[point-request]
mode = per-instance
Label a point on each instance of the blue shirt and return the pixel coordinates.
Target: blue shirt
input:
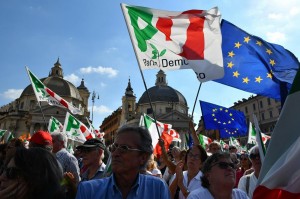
(145, 187)
(97, 175)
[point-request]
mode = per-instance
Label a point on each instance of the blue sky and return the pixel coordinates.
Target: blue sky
(92, 42)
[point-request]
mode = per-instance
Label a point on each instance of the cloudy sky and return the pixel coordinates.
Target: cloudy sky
(92, 42)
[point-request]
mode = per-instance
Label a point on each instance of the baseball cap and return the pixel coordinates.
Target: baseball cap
(42, 138)
(91, 143)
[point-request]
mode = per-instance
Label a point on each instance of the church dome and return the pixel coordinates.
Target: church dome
(161, 92)
(58, 85)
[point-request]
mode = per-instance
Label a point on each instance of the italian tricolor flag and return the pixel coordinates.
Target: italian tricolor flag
(170, 40)
(280, 174)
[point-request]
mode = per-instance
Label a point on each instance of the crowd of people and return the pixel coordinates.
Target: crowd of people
(45, 169)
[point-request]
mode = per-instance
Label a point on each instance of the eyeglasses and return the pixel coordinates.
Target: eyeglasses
(122, 148)
(11, 172)
(254, 155)
(194, 156)
(224, 165)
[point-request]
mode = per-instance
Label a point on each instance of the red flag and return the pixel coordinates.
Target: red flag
(167, 140)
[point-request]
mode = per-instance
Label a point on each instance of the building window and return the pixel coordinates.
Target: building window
(254, 107)
(263, 116)
(246, 109)
(261, 104)
(149, 111)
(22, 105)
(271, 114)
(269, 101)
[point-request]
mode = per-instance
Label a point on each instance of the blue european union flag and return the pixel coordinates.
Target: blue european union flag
(229, 122)
(254, 65)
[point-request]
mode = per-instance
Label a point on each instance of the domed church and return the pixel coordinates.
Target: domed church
(169, 105)
(24, 115)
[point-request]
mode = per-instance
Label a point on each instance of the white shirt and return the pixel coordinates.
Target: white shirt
(252, 184)
(194, 184)
(203, 193)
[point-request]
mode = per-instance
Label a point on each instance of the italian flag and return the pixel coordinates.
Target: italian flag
(165, 132)
(75, 129)
(280, 174)
(204, 140)
(44, 94)
(252, 135)
(55, 125)
(171, 40)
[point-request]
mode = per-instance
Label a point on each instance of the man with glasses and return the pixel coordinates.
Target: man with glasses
(92, 152)
(248, 182)
(130, 153)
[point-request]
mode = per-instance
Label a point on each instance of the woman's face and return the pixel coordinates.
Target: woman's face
(222, 173)
(194, 159)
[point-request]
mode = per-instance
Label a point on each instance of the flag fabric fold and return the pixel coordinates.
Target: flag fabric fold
(279, 176)
(75, 129)
(55, 126)
(171, 40)
(254, 65)
(230, 122)
(44, 94)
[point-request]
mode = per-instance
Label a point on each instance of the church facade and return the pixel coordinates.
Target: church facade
(26, 115)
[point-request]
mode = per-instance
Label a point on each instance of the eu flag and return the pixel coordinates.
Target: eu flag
(254, 65)
(229, 122)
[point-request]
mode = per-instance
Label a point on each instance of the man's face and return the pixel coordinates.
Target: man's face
(91, 156)
(57, 145)
(127, 161)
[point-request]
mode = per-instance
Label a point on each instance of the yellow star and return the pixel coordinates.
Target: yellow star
(213, 115)
(230, 114)
(221, 109)
(269, 75)
(236, 74)
(269, 51)
(224, 122)
(247, 39)
(231, 54)
(237, 45)
(230, 64)
(226, 110)
(258, 43)
(258, 79)
(215, 119)
(229, 122)
(272, 62)
(214, 110)
(246, 80)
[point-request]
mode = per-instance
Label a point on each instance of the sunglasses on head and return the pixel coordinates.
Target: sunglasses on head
(225, 165)
(254, 155)
(11, 172)
(122, 148)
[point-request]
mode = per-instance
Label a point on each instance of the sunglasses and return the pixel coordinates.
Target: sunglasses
(254, 155)
(11, 172)
(122, 148)
(88, 150)
(224, 165)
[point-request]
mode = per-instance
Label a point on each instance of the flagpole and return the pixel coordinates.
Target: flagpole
(196, 99)
(134, 48)
(42, 113)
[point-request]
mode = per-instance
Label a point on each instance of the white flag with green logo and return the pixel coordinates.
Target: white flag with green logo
(75, 129)
(234, 142)
(171, 40)
(2, 132)
(38, 87)
(252, 135)
(54, 125)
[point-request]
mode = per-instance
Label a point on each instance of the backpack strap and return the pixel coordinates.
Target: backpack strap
(247, 184)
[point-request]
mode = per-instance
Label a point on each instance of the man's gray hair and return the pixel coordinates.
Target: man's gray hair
(61, 137)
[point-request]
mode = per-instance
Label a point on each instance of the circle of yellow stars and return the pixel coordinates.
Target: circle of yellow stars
(215, 119)
(246, 79)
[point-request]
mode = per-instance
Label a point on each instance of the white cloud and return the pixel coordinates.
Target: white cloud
(275, 16)
(111, 50)
(101, 70)
(101, 109)
(276, 37)
(103, 84)
(73, 78)
(12, 94)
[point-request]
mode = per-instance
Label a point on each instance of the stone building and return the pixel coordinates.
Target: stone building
(24, 115)
(169, 106)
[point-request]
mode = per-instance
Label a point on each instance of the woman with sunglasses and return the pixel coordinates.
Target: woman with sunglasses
(248, 182)
(218, 179)
(245, 164)
(31, 174)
